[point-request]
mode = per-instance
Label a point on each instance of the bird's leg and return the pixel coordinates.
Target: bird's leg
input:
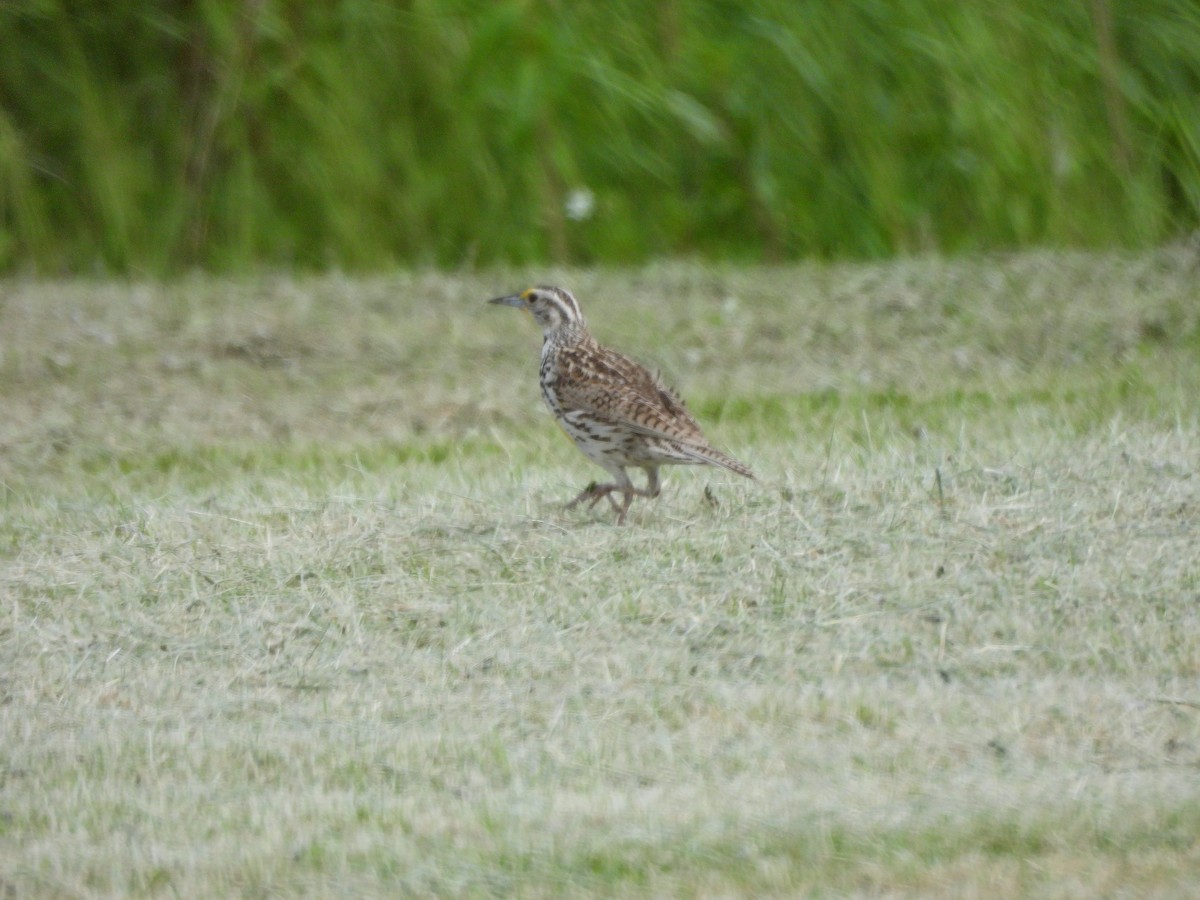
(652, 488)
(624, 507)
(596, 492)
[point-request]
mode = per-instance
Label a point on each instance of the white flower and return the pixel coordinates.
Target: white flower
(580, 205)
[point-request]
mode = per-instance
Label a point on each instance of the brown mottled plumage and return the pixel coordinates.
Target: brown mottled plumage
(617, 411)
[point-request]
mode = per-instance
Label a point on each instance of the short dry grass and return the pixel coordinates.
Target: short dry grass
(289, 605)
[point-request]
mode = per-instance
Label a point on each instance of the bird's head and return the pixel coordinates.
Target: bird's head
(554, 308)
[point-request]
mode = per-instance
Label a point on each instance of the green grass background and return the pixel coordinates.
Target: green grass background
(155, 138)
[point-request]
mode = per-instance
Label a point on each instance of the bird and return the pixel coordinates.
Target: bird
(618, 412)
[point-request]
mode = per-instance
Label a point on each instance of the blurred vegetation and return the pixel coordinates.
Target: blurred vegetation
(155, 137)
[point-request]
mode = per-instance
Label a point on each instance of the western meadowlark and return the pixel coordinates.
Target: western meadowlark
(617, 411)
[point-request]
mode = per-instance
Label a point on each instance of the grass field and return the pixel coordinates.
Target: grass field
(289, 604)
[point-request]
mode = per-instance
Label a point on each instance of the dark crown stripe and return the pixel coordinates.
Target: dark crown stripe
(565, 303)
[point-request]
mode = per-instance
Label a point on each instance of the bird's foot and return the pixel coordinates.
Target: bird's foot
(596, 492)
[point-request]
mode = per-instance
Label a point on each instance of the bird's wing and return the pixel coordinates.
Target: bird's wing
(615, 387)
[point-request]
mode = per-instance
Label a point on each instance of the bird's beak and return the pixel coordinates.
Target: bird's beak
(512, 300)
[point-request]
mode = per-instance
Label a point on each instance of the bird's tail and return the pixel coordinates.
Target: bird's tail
(717, 458)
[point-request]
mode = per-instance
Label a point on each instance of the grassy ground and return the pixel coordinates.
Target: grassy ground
(288, 602)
